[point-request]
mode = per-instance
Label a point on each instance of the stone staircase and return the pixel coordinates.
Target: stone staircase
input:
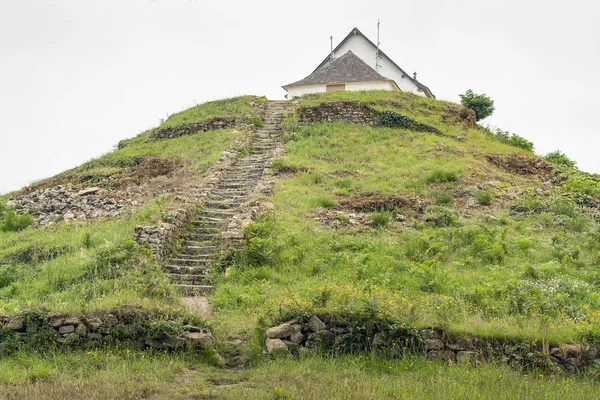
(190, 268)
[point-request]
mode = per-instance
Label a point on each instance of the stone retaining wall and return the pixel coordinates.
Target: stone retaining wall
(302, 335)
(359, 113)
(134, 328)
(347, 111)
(158, 237)
(195, 127)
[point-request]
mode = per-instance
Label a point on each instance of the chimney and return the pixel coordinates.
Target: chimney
(415, 76)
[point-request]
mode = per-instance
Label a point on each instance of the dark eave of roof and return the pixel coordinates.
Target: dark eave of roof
(348, 68)
(355, 31)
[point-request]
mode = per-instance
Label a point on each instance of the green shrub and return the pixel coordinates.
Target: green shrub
(558, 158)
(443, 199)
(380, 219)
(13, 222)
(528, 205)
(480, 103)
(578, 224)
(255, 120)
(439, 217)
(440, 175)
(483, 197)
(564, 207)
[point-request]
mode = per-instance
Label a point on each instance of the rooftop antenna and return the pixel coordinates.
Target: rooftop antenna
(331, 40)
(377, 56)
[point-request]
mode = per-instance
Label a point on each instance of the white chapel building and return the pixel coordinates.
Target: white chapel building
(357, 64)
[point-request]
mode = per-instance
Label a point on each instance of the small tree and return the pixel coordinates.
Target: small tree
(480, 103)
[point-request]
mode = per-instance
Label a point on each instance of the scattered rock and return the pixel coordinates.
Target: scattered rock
(464, 356)
(203, 339)
(315, 324)
(297, 337)
(93, 324)
(590, 354)
(275, 345)
(434, 344)
(91, 190)
(66, 329)
(447, 355)
(281, 331)
(573, 350)
(16, 324)
(73, 321)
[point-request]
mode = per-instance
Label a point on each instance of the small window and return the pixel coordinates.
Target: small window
(335, 88)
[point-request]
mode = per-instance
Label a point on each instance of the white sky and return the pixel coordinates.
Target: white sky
(77, 76)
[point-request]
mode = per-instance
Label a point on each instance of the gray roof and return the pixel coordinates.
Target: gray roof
(345, 69)
(355, 31)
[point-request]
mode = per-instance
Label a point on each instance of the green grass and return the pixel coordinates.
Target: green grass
(239, 107)
(468, 270)
(483, 197)
(74, 267)
(118, 374)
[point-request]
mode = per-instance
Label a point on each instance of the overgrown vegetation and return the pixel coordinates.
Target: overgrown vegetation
(520, 269)
(11, 221)
(509, 138)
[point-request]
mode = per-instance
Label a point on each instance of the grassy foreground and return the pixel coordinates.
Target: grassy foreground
(131, 375)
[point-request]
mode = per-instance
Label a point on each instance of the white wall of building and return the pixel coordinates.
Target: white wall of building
(365, 51)
(298, 91)
(353, 86)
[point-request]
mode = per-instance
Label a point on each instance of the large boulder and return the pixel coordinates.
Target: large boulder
(281, 331)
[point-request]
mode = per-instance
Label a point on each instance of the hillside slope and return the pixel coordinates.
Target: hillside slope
(458, 229)
(392, 214)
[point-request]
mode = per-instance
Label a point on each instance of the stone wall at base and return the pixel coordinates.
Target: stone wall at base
(305, 334)
(134, 328)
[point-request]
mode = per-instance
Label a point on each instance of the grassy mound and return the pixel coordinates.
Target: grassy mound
(475, 235)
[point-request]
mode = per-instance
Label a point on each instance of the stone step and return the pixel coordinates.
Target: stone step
(201, 243)
(186, 269)
(205, 231)
(187, 279)
(195, 250)
(202, 238)
(194, 290)
(190, 262)
(211, 223)
(231, 205)
(217, 213)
